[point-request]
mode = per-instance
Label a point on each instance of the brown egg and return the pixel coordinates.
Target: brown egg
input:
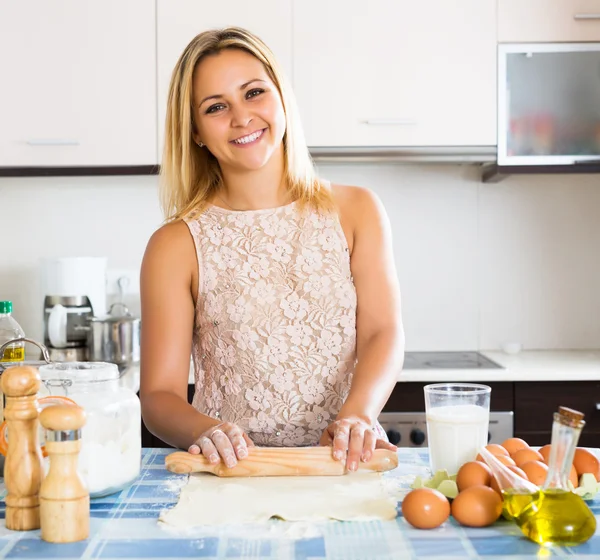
(473, 473)
(586, 462)
(516, 470)
(425, 508)
(496, 449)
(513, 444)
(477, 506)
(536, 471)
(526, 455)
(545, 453)
(506, 460)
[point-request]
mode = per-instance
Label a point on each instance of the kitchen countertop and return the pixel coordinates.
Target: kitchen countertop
(527, 365)
(125, 526)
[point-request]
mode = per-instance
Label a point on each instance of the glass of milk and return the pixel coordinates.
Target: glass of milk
(457, 415)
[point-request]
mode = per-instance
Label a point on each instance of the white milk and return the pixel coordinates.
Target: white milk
(455, 434)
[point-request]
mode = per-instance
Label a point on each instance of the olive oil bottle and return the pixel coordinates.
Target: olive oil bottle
(10, 330)
(515, 501)
(554, 514)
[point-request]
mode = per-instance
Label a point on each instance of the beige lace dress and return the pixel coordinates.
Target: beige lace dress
(274, 343)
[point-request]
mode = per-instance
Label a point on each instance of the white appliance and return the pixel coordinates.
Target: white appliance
(73, 289)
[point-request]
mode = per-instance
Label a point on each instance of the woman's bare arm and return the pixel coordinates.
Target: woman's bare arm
(379, 330)
(168, 278)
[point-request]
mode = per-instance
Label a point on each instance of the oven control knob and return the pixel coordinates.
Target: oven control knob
(417, 436)
(394, 436)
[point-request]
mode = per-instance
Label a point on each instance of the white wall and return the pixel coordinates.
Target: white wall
(479, 264)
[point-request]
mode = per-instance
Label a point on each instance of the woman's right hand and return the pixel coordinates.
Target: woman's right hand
(225, 441)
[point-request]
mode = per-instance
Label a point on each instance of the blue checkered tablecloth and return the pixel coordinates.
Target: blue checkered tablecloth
(125, 526)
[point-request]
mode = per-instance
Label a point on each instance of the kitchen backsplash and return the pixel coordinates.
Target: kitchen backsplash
(479, 264)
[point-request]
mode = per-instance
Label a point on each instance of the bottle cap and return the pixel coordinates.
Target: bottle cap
(5, 306)
(571, 417)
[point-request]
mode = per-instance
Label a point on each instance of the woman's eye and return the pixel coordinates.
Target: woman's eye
(254, 92)
(214, 108)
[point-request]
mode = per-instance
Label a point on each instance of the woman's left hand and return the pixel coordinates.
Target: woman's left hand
(354, 440)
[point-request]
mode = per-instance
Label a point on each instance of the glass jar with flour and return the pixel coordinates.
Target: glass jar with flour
(110, 456)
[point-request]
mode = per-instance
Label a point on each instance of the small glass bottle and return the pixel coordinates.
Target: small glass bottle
(9, 330)
(556, 515)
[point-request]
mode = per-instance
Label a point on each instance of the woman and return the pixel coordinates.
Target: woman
(282, 286)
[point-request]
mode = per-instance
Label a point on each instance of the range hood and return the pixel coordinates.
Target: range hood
(418, 154)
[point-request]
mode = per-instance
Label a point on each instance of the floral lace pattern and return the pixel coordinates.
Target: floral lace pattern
(275, 328)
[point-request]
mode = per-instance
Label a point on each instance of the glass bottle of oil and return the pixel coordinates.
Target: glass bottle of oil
(554, 514)
(517, 492)
(9, 330)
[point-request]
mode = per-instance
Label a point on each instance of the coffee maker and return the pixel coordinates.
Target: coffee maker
(74, 289)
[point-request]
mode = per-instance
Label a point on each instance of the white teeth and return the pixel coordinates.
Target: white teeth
(249, 138)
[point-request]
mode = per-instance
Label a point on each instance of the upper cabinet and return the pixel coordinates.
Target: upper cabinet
(524, 21)
(179, 21)
(78, 83)
(401, 73)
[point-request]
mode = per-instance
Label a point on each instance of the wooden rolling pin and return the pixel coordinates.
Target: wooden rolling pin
(280, 461)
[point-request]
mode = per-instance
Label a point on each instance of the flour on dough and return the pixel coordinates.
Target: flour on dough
(210, 500)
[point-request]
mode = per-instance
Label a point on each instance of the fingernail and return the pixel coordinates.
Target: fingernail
(214, 458)
(337, 455)
(242, 453)
(366, 457)
(352, 466)
(230, 462)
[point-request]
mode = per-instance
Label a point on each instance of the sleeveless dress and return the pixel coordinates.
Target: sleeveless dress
(274, 343)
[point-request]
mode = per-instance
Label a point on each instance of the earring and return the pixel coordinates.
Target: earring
(200, 145)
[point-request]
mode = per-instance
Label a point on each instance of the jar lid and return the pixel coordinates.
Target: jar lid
(79, 372)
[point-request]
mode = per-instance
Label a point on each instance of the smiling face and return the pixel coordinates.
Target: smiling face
(238, 111)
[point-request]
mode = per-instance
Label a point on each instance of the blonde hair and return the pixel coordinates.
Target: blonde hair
(190, 175)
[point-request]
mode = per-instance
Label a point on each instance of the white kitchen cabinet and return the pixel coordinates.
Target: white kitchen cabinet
(396, 73)
(526, 21)
(179, 21)
(78, 83)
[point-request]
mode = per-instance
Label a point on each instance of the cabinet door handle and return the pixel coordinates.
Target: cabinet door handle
(53, 142)
(580, 17)
(400, 122)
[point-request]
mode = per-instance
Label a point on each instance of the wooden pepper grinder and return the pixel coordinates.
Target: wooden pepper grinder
(64, 497)
(23, 465)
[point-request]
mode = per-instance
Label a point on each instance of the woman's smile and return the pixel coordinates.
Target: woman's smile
(249, 139)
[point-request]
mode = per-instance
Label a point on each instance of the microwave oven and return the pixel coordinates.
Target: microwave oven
(549, 104)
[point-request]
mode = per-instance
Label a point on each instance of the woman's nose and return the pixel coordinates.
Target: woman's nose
(240, 116)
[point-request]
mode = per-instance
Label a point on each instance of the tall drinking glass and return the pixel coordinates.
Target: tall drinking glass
(458, 416)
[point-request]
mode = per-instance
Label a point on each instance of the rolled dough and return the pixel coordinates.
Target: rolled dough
(210, 500)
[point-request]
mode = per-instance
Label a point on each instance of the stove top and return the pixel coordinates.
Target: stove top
(448, 360)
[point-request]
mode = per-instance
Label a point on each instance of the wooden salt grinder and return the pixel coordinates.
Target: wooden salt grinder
(23, 464)
(64, 497)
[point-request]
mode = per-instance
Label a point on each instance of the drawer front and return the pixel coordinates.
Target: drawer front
(527, 21)
(408, 397)
(535, 404)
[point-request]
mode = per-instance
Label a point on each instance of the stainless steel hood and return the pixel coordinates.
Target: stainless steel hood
(417, 154)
